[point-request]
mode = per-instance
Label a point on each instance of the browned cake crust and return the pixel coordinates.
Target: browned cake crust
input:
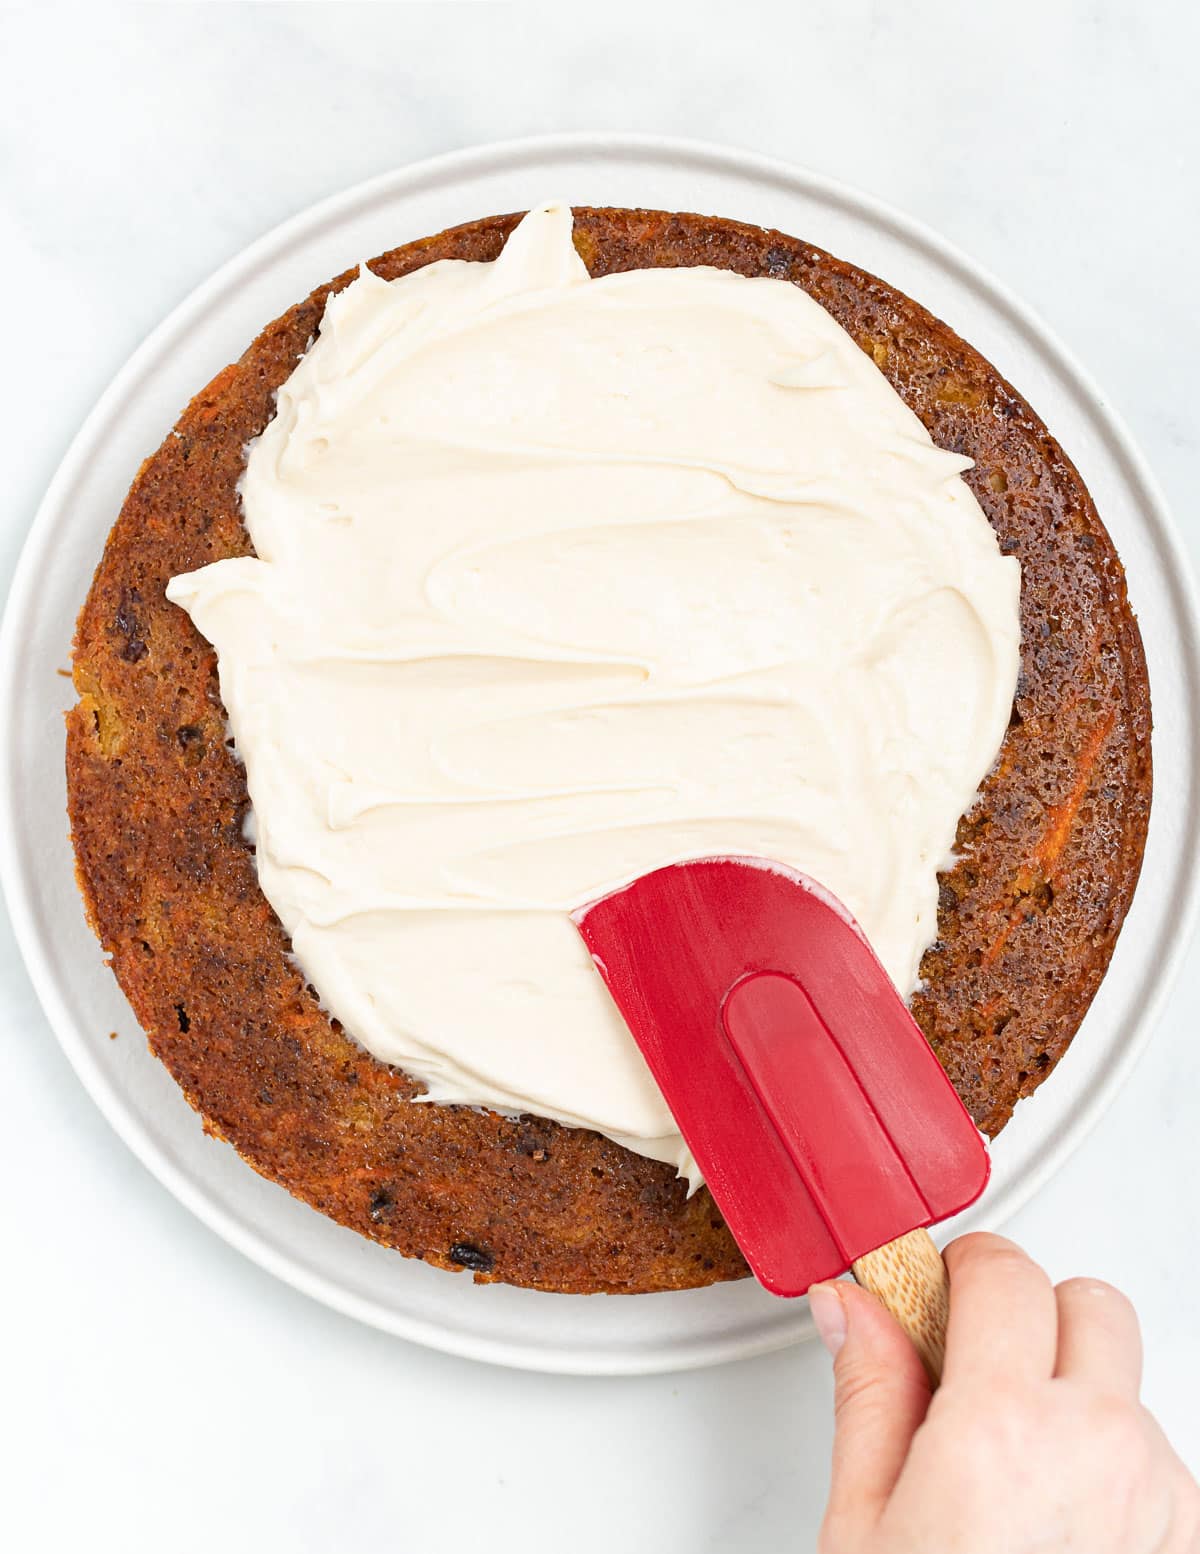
(1028, 918)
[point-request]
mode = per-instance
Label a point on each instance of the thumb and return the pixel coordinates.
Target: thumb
(881, 1395)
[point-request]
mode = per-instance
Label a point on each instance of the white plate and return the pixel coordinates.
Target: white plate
(595, 1334)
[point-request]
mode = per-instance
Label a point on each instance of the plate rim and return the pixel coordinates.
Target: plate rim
(444, 168)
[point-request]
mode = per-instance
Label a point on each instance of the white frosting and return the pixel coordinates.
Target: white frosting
(559, 580)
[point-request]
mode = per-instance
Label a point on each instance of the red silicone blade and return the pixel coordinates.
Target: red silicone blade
(821, 1119)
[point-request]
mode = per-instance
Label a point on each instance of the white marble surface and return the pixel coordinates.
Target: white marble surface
(159, 1391)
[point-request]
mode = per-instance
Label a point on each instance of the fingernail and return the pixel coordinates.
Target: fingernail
(829, 1315)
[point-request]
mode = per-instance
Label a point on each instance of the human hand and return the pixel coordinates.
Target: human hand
(1035, 1443)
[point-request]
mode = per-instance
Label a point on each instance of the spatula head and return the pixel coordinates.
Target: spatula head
(821, 1119)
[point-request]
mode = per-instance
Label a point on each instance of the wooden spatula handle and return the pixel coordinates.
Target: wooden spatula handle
(909, 1277)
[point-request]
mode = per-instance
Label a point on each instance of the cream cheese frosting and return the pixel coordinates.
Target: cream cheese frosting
(558, 580)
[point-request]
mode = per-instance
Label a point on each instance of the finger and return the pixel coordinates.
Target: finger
(1099, 1339)
(881, 1395)
(1003, 1316)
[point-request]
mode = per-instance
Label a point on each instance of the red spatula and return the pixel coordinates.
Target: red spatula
(826, 1129)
